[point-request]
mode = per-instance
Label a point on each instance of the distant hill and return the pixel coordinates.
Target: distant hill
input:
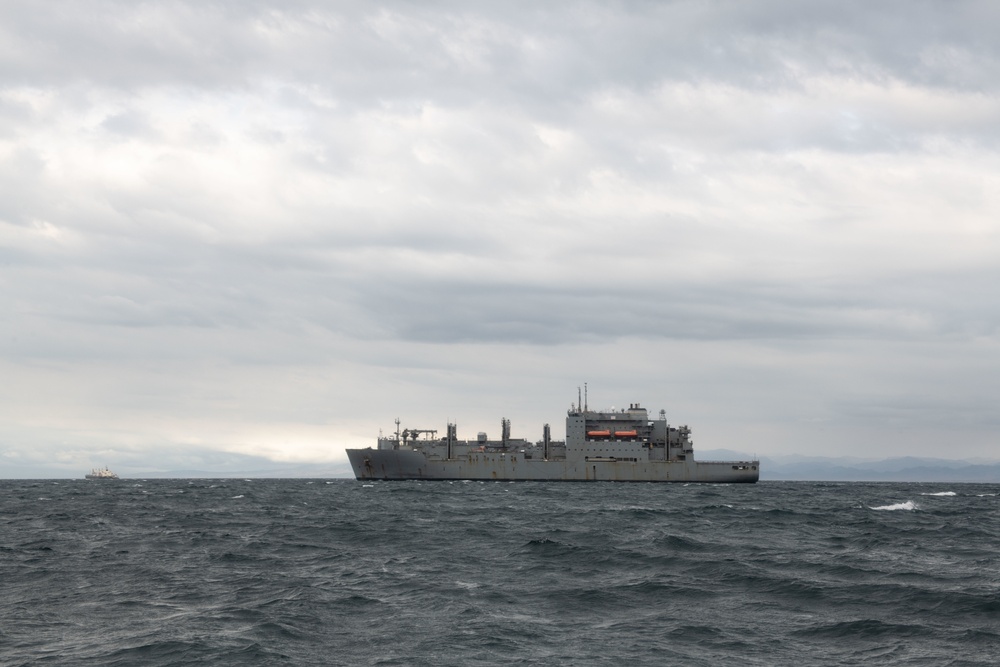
(847, 469)
(260, 469)
(282, 472)
(785, 468)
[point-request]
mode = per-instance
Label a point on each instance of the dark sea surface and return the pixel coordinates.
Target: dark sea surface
(338, 572)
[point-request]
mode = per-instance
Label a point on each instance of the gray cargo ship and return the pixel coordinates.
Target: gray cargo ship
(605, 445)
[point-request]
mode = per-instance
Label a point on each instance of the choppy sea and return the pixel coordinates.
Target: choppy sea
(340, 572)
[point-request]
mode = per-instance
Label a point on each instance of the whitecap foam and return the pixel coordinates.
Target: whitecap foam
(940, 493)
(908, 505)
(239, 496)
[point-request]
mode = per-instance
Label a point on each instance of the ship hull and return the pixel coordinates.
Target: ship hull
(403, 464)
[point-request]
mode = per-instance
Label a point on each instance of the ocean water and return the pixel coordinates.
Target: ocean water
(340, 572)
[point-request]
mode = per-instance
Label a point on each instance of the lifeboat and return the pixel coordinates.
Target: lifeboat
(598, 434)
(625, 434)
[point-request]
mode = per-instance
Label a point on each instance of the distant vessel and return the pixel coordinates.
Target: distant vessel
(601, 445)
(101, 473)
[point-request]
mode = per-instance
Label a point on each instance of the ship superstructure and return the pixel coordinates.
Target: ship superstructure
(600, 445)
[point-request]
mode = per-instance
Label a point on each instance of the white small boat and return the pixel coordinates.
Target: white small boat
(101, 473)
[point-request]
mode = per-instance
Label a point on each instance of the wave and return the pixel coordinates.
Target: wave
(862, 628)
(674, 542)
(908, 505)
(940, 493)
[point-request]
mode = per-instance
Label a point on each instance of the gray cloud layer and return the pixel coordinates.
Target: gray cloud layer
(789, 210)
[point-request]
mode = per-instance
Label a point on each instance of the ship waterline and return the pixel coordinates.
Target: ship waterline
(601, 445)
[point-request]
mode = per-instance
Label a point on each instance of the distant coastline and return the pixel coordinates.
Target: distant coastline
(846, 469)
(773, 468)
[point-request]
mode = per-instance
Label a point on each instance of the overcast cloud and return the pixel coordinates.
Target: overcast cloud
(270, 229)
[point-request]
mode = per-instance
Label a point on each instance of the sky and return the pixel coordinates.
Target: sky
(238, 232)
